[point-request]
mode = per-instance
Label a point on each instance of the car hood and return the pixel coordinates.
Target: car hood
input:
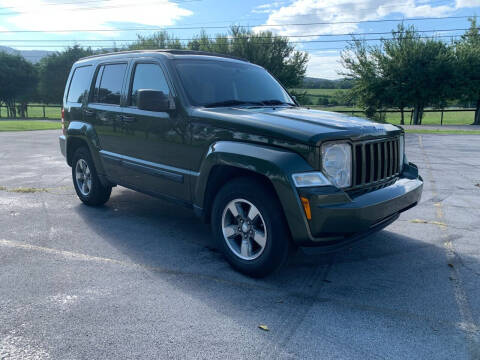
(299, 124)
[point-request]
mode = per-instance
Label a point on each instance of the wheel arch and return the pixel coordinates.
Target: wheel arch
(227, 160)
(83, 134)
(221, 174)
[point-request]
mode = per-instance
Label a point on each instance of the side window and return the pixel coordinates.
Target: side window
(79, 84)
(108, 85)
(148, 76)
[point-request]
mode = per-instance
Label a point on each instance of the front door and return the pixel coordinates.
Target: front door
(157, 140)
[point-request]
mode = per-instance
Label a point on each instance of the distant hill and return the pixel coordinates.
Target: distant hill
(319, 83)
(33, 56)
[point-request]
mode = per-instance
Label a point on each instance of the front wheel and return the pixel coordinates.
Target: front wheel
(248, 223)
(85, 179)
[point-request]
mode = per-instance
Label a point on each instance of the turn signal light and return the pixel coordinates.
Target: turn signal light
(306, 207)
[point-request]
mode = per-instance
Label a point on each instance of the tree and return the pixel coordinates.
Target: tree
(18, 78)
(467, 52)
(53, 73)
(362, 67)
(395, 67)
(275, 53)
(430, 75)
(405, 70)
(159, 40)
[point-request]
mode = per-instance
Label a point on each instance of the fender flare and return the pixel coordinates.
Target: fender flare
(276, 164)
(84, 131)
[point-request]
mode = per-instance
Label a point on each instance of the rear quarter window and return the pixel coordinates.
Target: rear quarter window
(79, 85)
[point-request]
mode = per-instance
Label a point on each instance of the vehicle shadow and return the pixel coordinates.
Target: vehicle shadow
(387, 273)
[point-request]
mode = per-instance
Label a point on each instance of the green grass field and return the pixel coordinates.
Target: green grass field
(323, 92)
(451, 132)
(28, 125)
(36, 112)
(50, 112)
(429, 118)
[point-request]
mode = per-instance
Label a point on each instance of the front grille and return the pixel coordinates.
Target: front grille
(375, 162)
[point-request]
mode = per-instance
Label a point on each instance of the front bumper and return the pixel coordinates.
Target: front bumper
(338, 217)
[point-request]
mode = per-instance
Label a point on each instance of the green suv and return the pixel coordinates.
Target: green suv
(221, 136)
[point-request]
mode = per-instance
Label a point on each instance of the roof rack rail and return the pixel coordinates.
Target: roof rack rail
(169, 51)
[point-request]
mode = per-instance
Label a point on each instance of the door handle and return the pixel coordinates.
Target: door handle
(129, 119)
(88, 112)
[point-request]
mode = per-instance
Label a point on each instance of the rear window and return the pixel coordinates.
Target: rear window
(79, 85)
(108, 85)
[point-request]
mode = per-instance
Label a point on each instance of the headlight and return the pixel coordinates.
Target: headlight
(310, 179)
(337, 163)
(401, 151)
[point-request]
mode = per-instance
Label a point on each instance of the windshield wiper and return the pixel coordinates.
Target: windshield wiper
(276, 102)
(232, 103)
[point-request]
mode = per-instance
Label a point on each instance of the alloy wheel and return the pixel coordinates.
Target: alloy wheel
(83, 177)
(244, 229)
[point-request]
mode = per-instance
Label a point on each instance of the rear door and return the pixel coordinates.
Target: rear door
(105, 110)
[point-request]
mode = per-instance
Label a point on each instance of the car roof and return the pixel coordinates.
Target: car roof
(169, 53)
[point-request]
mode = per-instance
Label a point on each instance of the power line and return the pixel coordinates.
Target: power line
(292, 42)
(228, 27)
(249, 37)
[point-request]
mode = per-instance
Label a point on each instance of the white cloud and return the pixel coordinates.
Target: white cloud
(467, 3)
(38, 15)
(324, 64)
(267, 8)
(347, 12)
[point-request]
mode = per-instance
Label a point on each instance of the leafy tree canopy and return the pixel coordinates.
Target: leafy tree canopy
(274, 53)
(54, 70)
(18, 79)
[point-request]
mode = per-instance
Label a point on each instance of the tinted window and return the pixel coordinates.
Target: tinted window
(79, 85)
(209, 82)
(148, 76)
(109, 88)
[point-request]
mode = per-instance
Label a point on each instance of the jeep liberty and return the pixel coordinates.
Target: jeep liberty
(222, 136)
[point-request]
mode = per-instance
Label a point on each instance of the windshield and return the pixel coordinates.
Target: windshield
(224, 83)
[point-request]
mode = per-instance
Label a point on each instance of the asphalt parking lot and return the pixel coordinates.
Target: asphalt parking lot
(140, 278)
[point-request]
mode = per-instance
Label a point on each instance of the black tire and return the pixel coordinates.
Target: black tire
(278, 242)
(97, 194)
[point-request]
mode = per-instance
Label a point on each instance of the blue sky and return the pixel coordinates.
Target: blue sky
(60, 21)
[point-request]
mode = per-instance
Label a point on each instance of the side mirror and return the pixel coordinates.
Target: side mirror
(153, 100)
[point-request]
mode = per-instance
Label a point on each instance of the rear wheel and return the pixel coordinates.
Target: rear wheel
(248, 223)
(85, 179)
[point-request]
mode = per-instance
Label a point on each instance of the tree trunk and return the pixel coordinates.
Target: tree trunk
(417, 114)
(402, 118)
(476, 121)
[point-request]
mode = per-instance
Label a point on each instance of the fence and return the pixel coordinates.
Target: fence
(34, 111)
(455, 116)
